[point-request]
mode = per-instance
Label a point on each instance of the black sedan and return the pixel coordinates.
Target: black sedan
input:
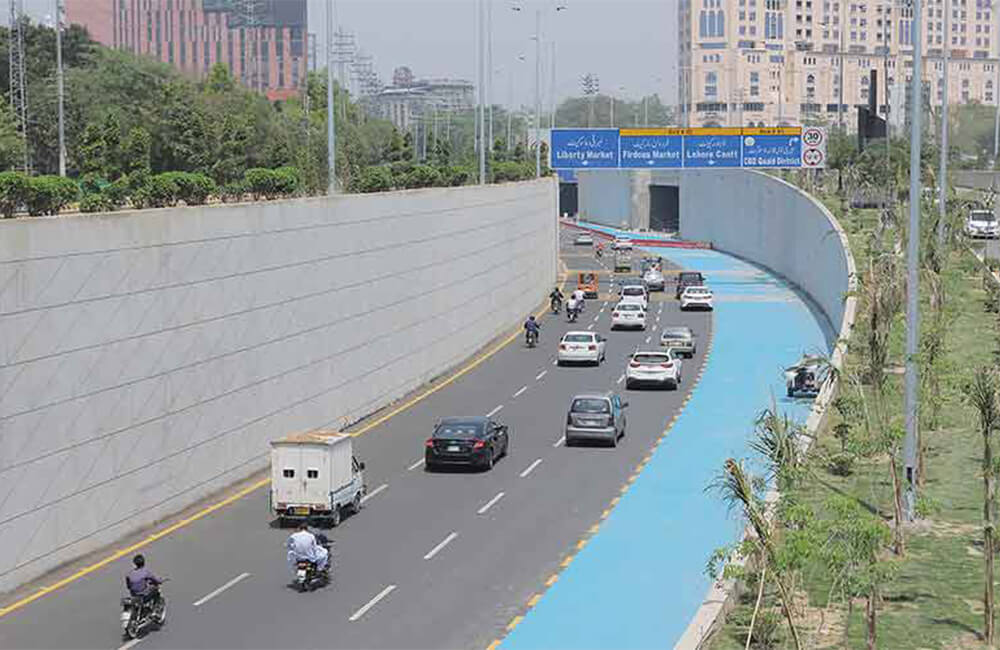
(473, 441)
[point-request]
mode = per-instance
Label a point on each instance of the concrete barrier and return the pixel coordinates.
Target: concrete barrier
(147, 358)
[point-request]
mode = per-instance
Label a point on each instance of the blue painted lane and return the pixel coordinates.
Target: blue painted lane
(640, 579)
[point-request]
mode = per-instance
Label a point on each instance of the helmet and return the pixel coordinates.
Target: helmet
(532, 317)
(139, 561)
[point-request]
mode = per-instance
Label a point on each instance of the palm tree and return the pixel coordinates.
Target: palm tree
(983, 393)
(777, 441)
(741, 491)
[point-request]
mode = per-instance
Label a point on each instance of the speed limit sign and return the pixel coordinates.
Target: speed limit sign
(813, 147)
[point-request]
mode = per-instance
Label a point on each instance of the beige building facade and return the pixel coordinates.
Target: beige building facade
(778, 62)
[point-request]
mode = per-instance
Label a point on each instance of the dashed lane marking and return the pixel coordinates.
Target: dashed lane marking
(371, 603)
(530, 468)
(489, 504)
(521, 391)
(371, 494)
(540, 375)
(494, 411)
(415, 465)
(559, 442)
(447, 540)
(213, 594)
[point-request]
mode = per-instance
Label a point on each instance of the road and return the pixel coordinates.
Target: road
(435, 559)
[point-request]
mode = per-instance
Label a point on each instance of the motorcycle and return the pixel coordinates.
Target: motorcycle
(571, 314)
(140, 613)
(308, 576)
(531, 338)
(556, 304)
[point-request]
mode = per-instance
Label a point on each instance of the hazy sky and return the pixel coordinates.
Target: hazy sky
(627, 43)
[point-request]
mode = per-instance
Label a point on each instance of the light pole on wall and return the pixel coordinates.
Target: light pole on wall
(331, 129)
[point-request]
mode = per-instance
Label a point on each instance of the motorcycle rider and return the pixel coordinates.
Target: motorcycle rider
(141, 582)
(303, 545)
(556, 298)
(531, 325)
(572, 307)
(579, 296)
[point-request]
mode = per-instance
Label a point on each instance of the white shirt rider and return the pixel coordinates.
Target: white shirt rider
(572, 304)
(578, 296)
(302, 545)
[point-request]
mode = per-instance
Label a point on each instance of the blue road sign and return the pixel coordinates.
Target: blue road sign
(584, 148)
(642, 149)
(713, 150)
(772, 151)
(566, 175)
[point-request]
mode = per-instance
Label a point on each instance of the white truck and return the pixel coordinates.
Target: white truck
(314, 477)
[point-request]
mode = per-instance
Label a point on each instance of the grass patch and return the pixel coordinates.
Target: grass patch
(935, 600)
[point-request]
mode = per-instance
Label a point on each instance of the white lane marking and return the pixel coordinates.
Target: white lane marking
(555, 361)
(371, 603)
(621, 379)
(540, 375)
(559, 442)
(415, 465)
(374, 492)
(131, 644)
(521, 391)
(489, 504)
(494, 411)
(590, 327)
(647, 339)
(447, 540)
(595, 318)
(213, 594)
(531, 467)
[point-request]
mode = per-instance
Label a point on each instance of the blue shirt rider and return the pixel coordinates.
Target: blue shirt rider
(531, 325)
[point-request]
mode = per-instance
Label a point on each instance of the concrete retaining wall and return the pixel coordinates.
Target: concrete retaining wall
(147, 358)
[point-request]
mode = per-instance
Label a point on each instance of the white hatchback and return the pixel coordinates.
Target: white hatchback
(581, 347)
(628, 314)
(660, 368)
(696, 298)
(635, 293)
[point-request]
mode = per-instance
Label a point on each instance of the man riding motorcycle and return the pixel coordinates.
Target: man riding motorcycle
(556, 299)
(573, 308)
(303, 545)
(532, 328)
(579, 296)
(141, 582)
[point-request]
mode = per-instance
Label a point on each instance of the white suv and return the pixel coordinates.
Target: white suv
(661, 368)
(696, 298)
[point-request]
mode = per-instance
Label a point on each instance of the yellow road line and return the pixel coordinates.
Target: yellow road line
(552, 580)
(514, 622)
(534, 600)
(566, 561)
(494, 645)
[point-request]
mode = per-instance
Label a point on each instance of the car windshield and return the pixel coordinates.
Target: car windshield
(590, 405)
(629, 306)
(458, 430)
(578, 338)
(632, 291)
(680, 332)
(649, 359)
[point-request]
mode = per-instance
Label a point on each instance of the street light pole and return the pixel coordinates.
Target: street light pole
(482, 91)
(331, 128)
(60, 89)
(489, 67)
(943, 173)
(538, 98)
(910, 401)
(552, 88)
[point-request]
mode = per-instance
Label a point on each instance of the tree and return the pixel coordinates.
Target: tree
(135, 151)
(983, 393)
(11, 142)
(219, 80)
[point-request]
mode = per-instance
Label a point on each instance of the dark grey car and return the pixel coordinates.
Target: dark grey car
(596, 417)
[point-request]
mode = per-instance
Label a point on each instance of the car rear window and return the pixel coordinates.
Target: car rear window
(677, 332)
(633, 291)
(579, 338)
(458, 430)
(629, 306)
(698, 290)
(690, 277)
(590, 405)
(651, 358)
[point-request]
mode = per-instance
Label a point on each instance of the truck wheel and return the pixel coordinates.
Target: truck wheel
(335, 516)
(356, 504)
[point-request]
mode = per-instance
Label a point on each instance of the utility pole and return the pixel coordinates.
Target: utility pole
(18, 92)
(331, 128)
(943, 173)
(489, 77)
(552, 88)
(482, 94)
(538, 98)
(60, 89)
(645, 111)
(910, 401)
(612, 104)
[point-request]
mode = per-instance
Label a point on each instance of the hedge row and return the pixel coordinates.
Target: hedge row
(39, 195)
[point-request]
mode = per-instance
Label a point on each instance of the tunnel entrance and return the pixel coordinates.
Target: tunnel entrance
(568, 199)
(664, 208)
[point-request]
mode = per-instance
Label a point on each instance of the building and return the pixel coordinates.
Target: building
(409, 99)
(262, 42)
(778, 62)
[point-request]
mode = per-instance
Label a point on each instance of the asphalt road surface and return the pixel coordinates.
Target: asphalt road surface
(435, 560)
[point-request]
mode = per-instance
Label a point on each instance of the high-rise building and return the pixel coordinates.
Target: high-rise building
(781, 62)
(262, 42)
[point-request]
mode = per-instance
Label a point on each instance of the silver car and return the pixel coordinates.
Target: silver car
(654, 280)
(680, 339)
(596, 417)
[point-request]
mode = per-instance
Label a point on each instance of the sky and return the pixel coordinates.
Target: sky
(631, 45)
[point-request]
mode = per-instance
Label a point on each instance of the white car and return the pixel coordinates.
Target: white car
(628, 314)
(696, 298)
(584, 239)
(982, 223)
(654, 280)
(581, 347)
(660, 368)
(621, 243)
(635, 293)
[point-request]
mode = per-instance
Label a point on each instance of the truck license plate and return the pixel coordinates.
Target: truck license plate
(300, 511)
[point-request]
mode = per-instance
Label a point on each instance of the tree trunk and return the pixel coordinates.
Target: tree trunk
(847, 621)
(786, 607)
(898, 541)
(870, 605)
(756, 607)
(988, 551)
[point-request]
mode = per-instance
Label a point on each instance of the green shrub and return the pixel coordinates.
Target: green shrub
(423, 176)
(117, 193)
(401, 168)
(193, 189)
(47, 195)
(232, 192)
(457, 176)
(13, 192)
(512, 171)
(374, 179)
(287, 180)
(94, 202)
(261, 182)
(92, 183)
(159, 191)
(841, 464)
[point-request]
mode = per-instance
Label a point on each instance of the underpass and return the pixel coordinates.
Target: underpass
(434, 560)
